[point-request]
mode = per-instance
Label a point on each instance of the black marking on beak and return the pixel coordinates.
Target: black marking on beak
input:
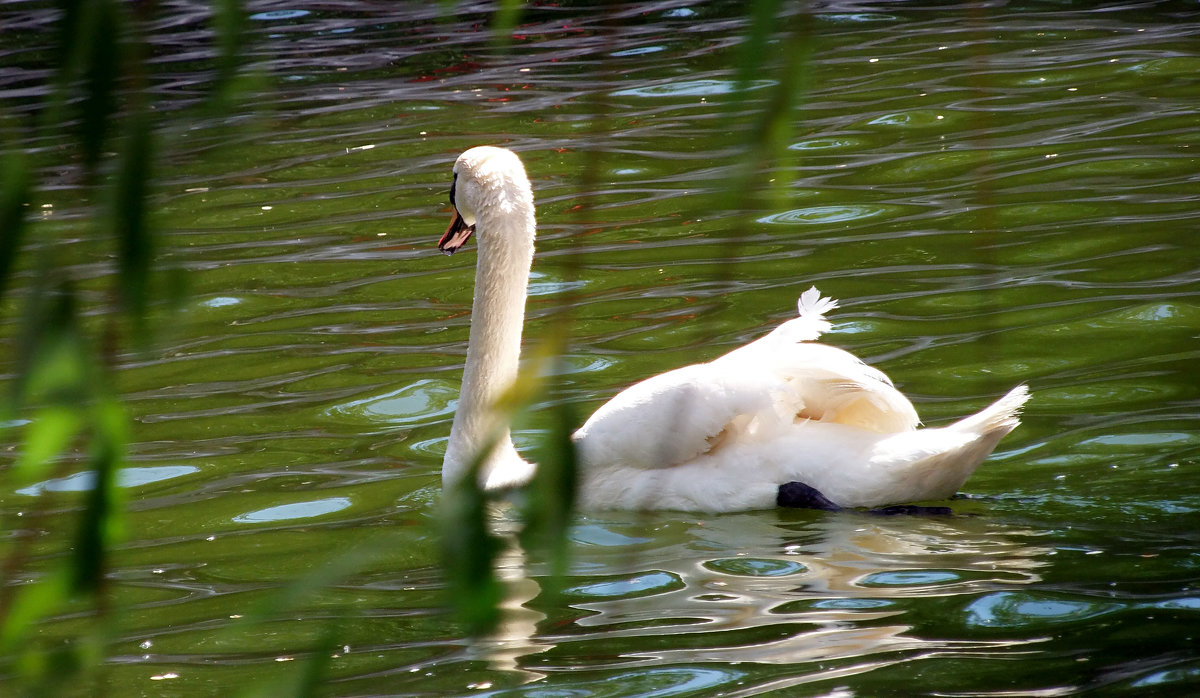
(456, 235)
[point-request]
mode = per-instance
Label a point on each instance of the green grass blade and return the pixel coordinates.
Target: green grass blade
(15, 189)
(549, 506)
(506, 18)
(100, 37)
(101, 519)
(131, 220)
(469, 551)
(50, 432)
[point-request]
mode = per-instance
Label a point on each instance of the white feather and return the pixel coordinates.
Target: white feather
(812, 304)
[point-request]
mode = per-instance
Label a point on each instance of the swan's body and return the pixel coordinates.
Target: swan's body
(719, 436)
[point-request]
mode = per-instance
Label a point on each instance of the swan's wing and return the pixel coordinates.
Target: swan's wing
(674, 417)
(758, 391)
(829, 384)
(833, 385)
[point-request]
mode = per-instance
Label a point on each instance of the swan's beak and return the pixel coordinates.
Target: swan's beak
(456, 235)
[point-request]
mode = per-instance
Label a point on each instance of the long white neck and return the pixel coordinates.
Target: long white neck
(505, 238)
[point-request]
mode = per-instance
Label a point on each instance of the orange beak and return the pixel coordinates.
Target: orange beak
(456, 235)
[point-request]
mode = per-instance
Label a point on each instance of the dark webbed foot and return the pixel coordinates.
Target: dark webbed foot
(797, 495)
(911, 510)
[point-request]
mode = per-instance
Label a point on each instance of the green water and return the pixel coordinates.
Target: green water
(995, 195)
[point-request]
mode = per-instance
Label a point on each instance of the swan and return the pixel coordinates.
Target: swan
(780, 421)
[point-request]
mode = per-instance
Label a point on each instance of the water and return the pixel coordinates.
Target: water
(997, 195)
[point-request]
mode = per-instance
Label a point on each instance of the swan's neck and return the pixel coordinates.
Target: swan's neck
(494, 348)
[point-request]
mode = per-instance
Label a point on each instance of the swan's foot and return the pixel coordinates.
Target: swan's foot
(911, 510)
(797, 495)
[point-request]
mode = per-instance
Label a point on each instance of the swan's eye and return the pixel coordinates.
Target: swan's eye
(452, 185)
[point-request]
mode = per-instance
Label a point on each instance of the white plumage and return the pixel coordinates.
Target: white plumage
(717, 436)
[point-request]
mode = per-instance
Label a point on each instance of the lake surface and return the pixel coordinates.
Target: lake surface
(996, 194)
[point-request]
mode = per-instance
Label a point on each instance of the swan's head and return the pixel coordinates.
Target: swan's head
(490, 191)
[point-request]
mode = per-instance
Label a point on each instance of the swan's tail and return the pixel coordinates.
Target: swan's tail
(933, 463)
(999, 418)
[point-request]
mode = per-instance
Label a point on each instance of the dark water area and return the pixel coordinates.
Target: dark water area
(998, 193)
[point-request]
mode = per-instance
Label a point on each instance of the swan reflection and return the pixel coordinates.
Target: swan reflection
(762, 588)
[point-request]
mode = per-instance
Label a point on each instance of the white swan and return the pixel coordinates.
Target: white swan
(759, 427)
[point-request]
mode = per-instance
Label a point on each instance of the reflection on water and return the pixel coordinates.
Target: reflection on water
(278, 14)
(826, 215)
(690, 88)
(835, 594)
(997, 195)
(1018, 610)
(413, 404)
(126, 477)
(297, 510)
